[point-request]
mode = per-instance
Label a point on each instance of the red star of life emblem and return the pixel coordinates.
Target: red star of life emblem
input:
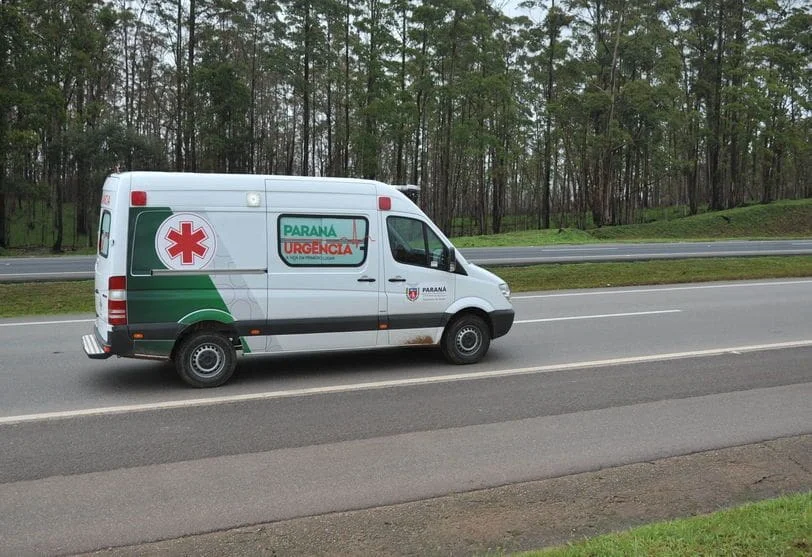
(187, 242)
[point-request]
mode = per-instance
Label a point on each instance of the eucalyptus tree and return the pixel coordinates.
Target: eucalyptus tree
(15, 136)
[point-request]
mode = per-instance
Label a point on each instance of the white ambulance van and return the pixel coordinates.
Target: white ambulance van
(197, 267)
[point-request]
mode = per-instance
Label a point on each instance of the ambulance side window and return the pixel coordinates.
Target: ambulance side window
(413, 243)
(104, 234)
(323, 240)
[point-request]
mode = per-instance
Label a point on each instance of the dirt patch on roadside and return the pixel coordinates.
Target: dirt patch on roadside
(527, 515)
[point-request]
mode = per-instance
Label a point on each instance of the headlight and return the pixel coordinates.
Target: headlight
(505, 290)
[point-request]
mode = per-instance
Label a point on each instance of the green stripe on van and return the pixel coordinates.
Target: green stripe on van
(165, 298)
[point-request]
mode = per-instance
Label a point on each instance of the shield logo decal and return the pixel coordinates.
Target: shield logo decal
(412, 293)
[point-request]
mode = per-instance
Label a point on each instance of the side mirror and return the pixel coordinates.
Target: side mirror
(452, 260)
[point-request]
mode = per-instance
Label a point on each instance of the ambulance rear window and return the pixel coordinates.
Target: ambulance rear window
(104, 234)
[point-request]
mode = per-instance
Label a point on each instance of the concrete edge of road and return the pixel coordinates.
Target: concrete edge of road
(526, 515)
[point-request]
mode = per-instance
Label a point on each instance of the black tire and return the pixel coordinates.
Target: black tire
(466, 339)
(206, 359)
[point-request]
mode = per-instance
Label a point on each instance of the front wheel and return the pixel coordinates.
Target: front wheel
(206, 359)
(466, 340)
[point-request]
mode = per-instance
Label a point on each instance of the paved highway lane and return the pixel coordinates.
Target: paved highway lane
(586, 379)
(43, 368)
(68, 267)
(81, 267)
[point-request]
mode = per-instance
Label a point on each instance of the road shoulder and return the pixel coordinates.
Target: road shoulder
(526, 515)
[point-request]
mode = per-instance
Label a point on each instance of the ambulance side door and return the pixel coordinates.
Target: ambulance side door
(418, 286)
(324, 277)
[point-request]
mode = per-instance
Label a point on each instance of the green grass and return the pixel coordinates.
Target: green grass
(46, 298)
(593, 275)
(785, 219)
(782, 219)
(526, 238)
(780, 526)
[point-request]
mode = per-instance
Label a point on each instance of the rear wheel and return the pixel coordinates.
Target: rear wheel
(206, 359)
(466, 340)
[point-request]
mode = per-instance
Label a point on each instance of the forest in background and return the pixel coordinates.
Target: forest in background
(575, 113)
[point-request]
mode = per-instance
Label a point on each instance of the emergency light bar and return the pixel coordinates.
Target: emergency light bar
(409, 190)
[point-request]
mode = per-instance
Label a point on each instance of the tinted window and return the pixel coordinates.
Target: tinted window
(104, 234)
(412, 242)
(320, 240)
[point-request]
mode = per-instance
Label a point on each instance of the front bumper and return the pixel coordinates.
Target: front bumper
(502, 321)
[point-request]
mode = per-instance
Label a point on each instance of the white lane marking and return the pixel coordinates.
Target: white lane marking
(174, 404)
(665, 289)
(577, 317)
(29, 323)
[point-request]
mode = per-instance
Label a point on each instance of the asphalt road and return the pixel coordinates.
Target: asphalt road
(81, 266)
(117, 452)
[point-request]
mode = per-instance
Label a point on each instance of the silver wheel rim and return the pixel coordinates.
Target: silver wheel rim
(468, 340)
(207, 359)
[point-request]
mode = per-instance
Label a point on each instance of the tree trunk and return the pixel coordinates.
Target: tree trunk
(736, 190)
(191, 124)
(545, 192)
(179, 93)
(306, 95)
(346, 160)
(400, 173)
(715, 140)
(3, 236)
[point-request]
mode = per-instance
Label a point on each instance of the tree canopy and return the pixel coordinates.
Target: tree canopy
(573, 113)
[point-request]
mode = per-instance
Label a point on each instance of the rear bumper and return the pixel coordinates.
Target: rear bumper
(94, 349)
(97, 349)
(502, 321)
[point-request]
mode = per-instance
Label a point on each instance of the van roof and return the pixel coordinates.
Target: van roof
(240, 180)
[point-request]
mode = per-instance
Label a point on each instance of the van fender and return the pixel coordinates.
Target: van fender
(469, 302)
(187, 323)
(206, 315)
(472, 304)
(499, 321)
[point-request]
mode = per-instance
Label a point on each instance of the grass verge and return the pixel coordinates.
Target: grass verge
(783, 219)
(46, 298)
(49, 298)
(775, 527)
(595, 275)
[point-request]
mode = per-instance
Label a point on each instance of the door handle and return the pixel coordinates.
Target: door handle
(366, 279)
(397, 279)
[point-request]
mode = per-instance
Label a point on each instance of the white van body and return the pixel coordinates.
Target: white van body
(198, 267)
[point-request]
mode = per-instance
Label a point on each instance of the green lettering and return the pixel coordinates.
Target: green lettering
(309, 231)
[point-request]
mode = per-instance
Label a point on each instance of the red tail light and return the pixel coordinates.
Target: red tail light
(117, 300)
